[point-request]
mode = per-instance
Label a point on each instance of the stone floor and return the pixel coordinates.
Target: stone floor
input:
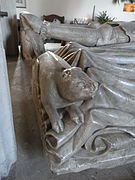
(31, 165)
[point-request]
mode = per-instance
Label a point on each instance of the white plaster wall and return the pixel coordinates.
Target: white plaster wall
(76, 8)
(9, 27)
(7, 136)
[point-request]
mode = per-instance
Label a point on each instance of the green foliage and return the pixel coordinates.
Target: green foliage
(118, 1)
(103, 17)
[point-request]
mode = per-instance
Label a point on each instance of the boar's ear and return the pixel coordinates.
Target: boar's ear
(66, 74)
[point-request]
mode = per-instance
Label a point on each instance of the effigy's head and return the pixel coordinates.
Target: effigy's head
(76, 85)
(30, 21)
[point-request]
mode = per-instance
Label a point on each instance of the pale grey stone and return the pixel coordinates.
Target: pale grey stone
(32, 44)
(84, 97)
(102, 134)
(89, 35)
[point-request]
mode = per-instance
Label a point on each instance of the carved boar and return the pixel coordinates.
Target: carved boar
(63, 86)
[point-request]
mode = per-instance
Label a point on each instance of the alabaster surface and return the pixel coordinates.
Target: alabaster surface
(91, 35)
(83, 93)
(85, 104)
(32, 44)
(34, 34)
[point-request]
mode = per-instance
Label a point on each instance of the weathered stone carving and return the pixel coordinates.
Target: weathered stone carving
(32, 44)
(106, 136)
(55, 76)
(86, 116)
(34, 32)
(109, 33)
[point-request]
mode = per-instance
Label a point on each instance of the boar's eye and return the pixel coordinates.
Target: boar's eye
(82, 85)
(66, 74)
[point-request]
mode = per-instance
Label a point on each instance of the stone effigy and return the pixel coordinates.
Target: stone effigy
(91, 35)
(32, 44)
(85, 104)
(34, 33)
